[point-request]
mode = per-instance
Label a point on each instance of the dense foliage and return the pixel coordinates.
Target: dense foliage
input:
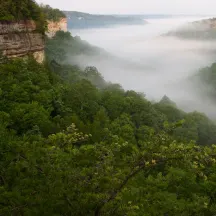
(16, 10)
(73, 144)
(52, 14)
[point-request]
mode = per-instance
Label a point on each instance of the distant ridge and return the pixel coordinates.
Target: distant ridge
(80, 20)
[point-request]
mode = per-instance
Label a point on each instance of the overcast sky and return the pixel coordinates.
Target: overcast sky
(136, 6)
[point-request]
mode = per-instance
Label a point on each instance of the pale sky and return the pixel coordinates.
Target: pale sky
(204, 7)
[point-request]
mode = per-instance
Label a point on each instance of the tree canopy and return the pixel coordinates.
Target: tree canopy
(13, 10)
(17, 10)
(73, 144)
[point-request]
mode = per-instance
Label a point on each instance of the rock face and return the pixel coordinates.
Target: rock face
(19, 39)
(53, 27)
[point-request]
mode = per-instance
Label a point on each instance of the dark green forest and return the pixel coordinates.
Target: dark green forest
(73, 144)
(13, 10)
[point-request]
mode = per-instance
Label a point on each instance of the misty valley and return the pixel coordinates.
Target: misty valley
(106, 115)
(149, 59)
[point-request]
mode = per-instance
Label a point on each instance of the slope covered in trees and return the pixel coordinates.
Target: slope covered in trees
(73, 144)
(206, 77)
(64, 47)
(198, 30)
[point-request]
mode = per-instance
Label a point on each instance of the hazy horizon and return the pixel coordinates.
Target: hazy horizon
(146, 14)
(136, 6)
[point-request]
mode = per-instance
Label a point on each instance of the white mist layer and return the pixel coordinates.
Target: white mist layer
(150, 63)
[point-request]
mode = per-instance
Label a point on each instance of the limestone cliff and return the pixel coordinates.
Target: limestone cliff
(20, 39)
(53, 26)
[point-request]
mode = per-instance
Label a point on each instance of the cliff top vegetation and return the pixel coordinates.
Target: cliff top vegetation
(13, 10)
(16, 10)
(52, 14)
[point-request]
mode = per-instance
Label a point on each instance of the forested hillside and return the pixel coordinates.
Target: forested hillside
(207, 76)
(73, 144)
(64, 47)
(198, 30)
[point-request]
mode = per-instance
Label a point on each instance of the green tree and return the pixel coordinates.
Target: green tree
(16, 10)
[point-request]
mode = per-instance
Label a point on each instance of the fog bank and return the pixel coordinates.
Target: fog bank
(148, 62)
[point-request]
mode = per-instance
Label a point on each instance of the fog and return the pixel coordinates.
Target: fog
(146, 61)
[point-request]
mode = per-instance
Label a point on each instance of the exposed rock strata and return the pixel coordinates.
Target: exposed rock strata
(53, 27)
(19, 39)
